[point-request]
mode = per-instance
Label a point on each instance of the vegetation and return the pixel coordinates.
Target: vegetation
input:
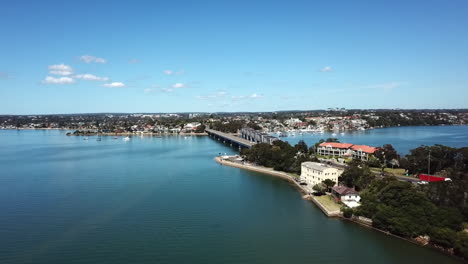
(227, 127)
(437, 210)
(200, 129)
(357, 175)
(442, 157)
(280, 155)
(347, 212)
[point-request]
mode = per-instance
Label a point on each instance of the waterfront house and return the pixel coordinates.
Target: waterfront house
(346, 150)
(313, 173)
(346, 195)
(362, 152)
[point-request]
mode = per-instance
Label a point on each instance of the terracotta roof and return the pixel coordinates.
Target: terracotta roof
(343, 190)
(336, 145)
(364, 148)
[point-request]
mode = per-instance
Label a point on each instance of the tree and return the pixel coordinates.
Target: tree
(386, 153)
(319, 188)
(301, 147)
(461, 245)
(200, 129)
(444, 236)
(329, 183)
(356, 175)
(347, 212)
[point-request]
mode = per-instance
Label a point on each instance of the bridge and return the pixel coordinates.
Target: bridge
(232, 139)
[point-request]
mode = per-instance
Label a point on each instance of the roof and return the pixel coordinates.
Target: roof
(364, 148)
(343, 190)
(316, 166)
(336, 145)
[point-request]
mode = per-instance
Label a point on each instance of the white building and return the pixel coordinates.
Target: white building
(346, 195)
(314, 173)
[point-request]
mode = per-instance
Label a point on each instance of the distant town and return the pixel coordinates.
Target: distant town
(337, 119)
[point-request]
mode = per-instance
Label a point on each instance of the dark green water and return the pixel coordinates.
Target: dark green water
(164, 200)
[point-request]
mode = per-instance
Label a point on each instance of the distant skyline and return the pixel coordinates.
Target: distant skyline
(59, 57)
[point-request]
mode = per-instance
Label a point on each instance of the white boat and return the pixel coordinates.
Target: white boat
(85, 138)
(334, 134)
(127, 138)
(342, 133)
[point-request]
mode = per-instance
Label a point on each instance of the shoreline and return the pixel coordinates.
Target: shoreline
(284, 176)
(306, 196)
(137, 134)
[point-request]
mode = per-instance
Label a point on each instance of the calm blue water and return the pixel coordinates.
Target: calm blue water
(164, 200)
(402, 138)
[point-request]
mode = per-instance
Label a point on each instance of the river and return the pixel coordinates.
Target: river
(403, 139)
(164, 200)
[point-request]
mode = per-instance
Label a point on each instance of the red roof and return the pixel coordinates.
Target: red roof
(364, 148)
(336, 145)
(343, 190)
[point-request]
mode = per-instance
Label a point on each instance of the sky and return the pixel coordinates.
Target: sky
(226, 56)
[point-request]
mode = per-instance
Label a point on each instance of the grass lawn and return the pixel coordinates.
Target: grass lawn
(396, 171)
(328, 202)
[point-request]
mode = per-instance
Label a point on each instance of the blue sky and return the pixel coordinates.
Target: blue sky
(184, 56)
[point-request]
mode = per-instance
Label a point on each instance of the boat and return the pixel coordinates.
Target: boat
(334, 134)
(85, 138)
(127, 138)
(115, 137)
(342, 133)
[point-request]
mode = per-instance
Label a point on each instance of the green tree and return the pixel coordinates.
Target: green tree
(329, 183)
(301, 147)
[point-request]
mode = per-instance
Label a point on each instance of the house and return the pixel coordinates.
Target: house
(335, 149)
(346, 195)
(362, 152)
(313, 173)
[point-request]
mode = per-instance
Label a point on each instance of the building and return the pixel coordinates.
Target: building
(335, 149)
(256, 136)
(346, 195)
(346, 150)
(313, 173)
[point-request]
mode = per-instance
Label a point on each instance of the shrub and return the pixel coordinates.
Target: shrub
(347, 212)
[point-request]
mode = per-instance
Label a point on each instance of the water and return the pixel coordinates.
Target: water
(164, 200)
(403, 139)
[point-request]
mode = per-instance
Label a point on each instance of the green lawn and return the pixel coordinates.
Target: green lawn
(328, 202)
(396, 171)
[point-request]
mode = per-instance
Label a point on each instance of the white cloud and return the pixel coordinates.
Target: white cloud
(327, 69)
(59, 80)
(134, 61)
(219, 94)
(91, 77)
(256, 96)
(179, 85)
(148, 90)
(60, 69)
(167, 90)
(90, 59)
(171, 72)
(387, 86)
(114, 85)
